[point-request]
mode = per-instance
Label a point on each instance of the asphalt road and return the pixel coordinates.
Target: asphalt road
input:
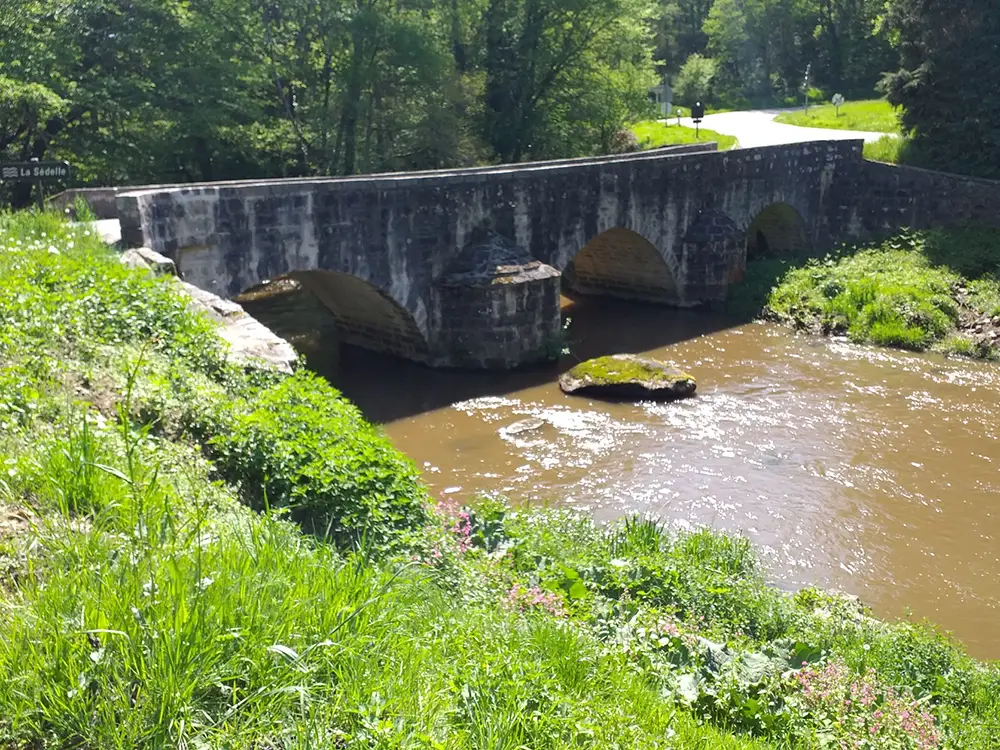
(757, 128)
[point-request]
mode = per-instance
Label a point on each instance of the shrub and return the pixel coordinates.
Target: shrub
(891, 149)
(694, 81)
(889, 295)
(624, 141)
(301, 446)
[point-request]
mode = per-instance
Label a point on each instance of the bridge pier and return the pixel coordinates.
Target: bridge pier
(496, 307)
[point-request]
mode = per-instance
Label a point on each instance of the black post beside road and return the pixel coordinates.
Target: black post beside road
(697, 113)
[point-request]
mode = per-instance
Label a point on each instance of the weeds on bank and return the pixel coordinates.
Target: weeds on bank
(149, 607)
(914, 291)
(74, 321)
(159, 612)
(890, 149)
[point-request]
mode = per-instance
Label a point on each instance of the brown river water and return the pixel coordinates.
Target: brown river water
(872, 471)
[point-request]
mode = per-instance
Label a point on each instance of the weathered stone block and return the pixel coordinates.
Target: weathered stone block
(144, 258)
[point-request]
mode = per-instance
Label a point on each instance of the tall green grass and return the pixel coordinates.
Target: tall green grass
(891, 149)
(162, 593)
(157, 612)
(912, 291)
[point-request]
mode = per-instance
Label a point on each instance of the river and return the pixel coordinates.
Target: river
(868, 470)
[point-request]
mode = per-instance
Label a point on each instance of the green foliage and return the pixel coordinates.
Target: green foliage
(176, 618)
(299, 445)
(694, 81)
(906, 292)
(562, 78)
(874, 115)
(950, 101)
(653, 134)
(762, 49)
(883, 296)
(891, 149)
(171, 91)
(143, 605)
(69, 311)
(65, 292)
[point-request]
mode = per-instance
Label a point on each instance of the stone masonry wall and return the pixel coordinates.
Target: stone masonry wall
(400, 234)
(878, 199)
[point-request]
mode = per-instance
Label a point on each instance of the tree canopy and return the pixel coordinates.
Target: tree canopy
(946, 82)
(162, 90)
(134, 91)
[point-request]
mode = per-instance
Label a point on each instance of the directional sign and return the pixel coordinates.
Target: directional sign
(34, 171)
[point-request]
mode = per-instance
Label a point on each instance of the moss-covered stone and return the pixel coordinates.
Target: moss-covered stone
(626, 376)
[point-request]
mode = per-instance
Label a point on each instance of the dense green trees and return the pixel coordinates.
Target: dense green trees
(762, 47)
(140, 90)
(174, 90)
(947, 82)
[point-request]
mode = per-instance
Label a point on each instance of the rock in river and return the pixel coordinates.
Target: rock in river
(525, 425)
(626, 376)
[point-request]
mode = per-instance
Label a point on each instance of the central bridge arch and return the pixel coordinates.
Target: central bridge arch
(621, 263)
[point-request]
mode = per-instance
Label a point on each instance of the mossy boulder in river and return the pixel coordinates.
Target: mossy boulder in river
(626, 376)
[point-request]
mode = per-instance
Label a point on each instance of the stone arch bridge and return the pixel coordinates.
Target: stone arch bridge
(464, 268)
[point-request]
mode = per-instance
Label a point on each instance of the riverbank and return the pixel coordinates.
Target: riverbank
(936, 290)
(194, 553)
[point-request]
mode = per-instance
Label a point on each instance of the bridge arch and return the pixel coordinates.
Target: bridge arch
(364, 315)
(621, 263)
(777, 231)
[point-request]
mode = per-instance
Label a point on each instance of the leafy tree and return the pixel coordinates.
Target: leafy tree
(947, 83)
(678, 31)
(545, 60)
(730, 44)
(694, 82)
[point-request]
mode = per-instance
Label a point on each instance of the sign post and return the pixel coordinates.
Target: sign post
(697, 113)
(35, 171)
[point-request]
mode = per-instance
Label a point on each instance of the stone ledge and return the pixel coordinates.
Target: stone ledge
(251, 343)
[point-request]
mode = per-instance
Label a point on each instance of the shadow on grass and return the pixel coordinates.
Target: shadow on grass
(973, 252)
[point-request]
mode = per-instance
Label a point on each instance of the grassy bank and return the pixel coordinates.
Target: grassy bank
(873, 115)
(653, 134)
(926, 290)
(198, 555)
(893, 149)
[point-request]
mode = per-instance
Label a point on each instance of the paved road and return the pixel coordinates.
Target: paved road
(757, 128)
